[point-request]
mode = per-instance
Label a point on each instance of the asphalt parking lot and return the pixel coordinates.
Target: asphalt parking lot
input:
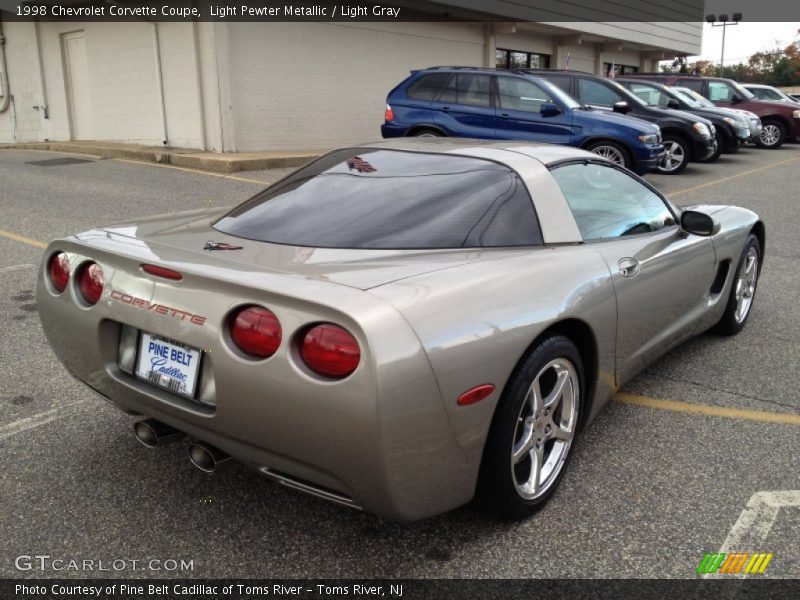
(652, 487)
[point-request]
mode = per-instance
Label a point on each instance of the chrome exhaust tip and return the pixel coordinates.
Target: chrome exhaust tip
(152, 433)
(206, 457)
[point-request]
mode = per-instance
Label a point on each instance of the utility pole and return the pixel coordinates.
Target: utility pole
(723, 22)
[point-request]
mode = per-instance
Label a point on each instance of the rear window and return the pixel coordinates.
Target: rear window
(427, 86)
(391, 199)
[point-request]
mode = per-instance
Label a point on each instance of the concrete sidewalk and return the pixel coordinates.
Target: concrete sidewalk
(216, 162)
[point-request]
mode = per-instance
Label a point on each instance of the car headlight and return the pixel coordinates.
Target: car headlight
(730, 121)
(649, 139)
(702, 129)
(796, 114)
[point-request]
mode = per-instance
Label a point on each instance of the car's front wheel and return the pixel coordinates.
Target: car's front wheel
(533, 430)
(611, 151)
(743, 289)
(773, 134)
(676, 157)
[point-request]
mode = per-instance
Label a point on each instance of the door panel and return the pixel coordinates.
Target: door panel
(660, 303)
(79, 97)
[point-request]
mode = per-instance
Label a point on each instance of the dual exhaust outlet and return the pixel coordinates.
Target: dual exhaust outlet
(152, 433)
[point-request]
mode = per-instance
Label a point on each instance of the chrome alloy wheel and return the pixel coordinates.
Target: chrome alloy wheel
(746, 285)
(673, 158)
(426, 134)
(545, 429)
(611, 153)
(770, 134)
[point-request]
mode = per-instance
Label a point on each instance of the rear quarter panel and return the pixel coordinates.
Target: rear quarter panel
(477, 321)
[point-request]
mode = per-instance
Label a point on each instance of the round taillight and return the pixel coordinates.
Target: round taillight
(256, 331)
(90, 282)
(58, 268)
(330, 350)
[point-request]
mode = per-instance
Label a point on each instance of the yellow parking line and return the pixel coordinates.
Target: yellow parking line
(21, 238)
(198, 171)
(708, 410)
(742, 174)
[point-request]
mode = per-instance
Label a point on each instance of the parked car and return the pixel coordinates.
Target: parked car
(400, 326)
(753, 120)
(795, 96)
(780, 120)
(731, 131)
(492, 104)
(767, 92)
(686, 137)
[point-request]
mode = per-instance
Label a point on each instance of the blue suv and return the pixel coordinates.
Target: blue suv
(493, 104)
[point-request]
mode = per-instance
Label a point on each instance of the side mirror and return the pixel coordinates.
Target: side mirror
(673, 103)
(697, 223)
(621, 107)
(548, 109)
(736, 98)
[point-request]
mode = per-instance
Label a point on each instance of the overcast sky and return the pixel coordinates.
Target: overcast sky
(744, 39)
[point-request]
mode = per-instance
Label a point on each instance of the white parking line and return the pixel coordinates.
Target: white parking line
(6, 431)
(750, 531)
(15, 268)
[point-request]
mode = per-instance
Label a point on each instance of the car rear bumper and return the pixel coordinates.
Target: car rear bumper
(393, 130)
(380, 439)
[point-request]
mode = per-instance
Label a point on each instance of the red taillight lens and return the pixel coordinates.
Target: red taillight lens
(162, 272)
(59, 271)
(389, 115)
(256, 331)
(331, 351)
(90, 282)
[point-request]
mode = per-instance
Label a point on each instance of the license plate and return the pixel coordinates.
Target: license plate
(168, 364)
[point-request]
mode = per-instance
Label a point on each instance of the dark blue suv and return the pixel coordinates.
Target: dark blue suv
(493, 104)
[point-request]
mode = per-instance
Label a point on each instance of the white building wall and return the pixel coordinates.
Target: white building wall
(316, 85)
(20, 122)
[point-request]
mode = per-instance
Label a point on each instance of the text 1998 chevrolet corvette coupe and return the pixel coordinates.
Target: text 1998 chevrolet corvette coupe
(399, 326)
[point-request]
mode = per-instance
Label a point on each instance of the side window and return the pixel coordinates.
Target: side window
(719, 92)
(520, 94)
(597, 94)
(650, 95)
(427, 86)
(692, 84)
(559, 81)
(469, 89)
(608, 203)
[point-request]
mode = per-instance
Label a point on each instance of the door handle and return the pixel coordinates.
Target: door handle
(504, 115)
(445, 108)
(628, 266)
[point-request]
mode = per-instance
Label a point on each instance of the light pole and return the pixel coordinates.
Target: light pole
(723, 22)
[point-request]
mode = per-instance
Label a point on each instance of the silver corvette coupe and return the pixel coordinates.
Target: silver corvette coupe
(400, 326)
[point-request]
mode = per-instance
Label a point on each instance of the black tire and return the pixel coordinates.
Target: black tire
(613, 151)
(731, 323)
(427, 133)
(497, 490)
(680, 147)
(773, 134)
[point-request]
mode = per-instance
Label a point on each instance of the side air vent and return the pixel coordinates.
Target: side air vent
(722, 275)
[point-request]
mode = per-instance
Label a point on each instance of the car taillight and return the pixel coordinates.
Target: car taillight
(256, 331)
(389, 115)
(90, 282)
(330, 350)
(58, 268)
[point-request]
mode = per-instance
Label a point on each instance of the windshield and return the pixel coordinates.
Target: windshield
(744, 92)
(701, 100)
(686, 98)
(391, 199)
